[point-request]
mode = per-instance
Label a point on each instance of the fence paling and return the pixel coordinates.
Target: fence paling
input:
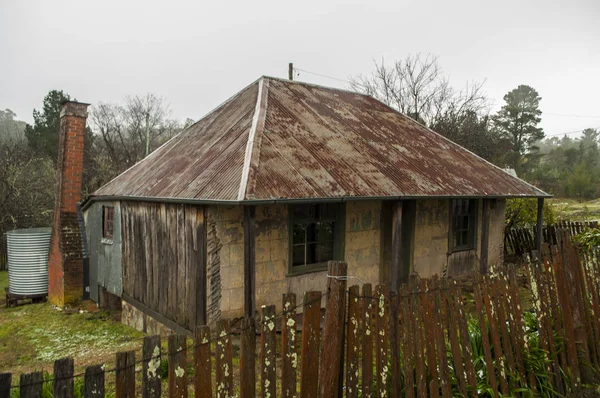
(353, 334)
(289, 354)
(381, 341)
(311, 335)
(178, 378)
(224, 362)
(431, 344)
(267, 352)
(368, 322)
(330, 374)
(151, 355)
(407, 329)
(94, 382)
(202, 365)
(125, 374)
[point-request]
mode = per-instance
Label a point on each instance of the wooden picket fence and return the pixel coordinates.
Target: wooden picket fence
(521, 240)
(374, 343)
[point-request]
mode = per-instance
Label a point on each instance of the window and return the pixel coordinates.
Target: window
(316, 236)
(464, 223)
(108, 221)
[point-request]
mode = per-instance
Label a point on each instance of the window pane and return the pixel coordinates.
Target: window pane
(465, 237)
(465, 222)
(324, 252)
(325, 231)
(311, 253)
(299, 234)
(311, 233)
(298, 255)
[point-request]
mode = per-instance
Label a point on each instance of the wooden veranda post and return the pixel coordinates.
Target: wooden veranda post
(249, 261)
(539, 225)
(485, 236)
(397, 273)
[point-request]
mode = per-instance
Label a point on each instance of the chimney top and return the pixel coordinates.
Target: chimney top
(73, 108)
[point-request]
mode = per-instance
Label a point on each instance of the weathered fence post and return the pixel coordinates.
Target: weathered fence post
(63, 378)
(202, 368)
(178, 379)
(333, 344)
(94, 382)
(224, 371)
(5, 381)
(151, 364)
(125, 373)
(31, 385)
(311, 333)
(289, 354)
(268, 353)
(248, 359)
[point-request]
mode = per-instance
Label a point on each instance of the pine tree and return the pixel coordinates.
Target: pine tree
(517, 121)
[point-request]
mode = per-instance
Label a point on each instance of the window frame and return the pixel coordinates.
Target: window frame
(472, 230)
(338, 239)
(108, 222)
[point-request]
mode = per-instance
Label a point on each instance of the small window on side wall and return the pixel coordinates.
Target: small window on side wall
(463, 230)
(316, 236)
(108, 221)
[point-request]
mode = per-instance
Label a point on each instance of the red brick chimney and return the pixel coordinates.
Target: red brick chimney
(65, 263)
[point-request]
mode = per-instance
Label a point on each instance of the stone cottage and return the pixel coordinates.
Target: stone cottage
(252, 201)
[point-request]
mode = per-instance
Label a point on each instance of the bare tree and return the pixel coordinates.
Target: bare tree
(126, 131)
(417, 87)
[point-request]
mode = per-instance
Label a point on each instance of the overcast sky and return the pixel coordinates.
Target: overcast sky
(197, 54)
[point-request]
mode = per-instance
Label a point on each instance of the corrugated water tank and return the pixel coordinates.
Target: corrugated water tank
(28, 261)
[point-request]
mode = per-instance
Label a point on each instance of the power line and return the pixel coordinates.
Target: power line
(571, 132)
(321, 75)
(568, 115)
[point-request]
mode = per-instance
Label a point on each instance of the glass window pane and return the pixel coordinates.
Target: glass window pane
(465, 237)
(311, 253)
(311, 233)
(299, 234)
(298, 255)
(325, 252)
(465, 223)
(325, 231)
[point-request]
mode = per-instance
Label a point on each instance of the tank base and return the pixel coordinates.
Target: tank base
(12, 300)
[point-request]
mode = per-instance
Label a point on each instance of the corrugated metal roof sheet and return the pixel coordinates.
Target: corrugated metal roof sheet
(279, 139)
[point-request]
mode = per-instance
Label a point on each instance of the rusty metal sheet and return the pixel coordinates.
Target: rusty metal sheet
(314, 142)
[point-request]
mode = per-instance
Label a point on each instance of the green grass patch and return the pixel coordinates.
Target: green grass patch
(3, 281)
(572, 210)
(36, 334)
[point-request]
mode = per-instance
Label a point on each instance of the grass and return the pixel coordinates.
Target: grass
(570, 209)
(32, 336)
(3, 281)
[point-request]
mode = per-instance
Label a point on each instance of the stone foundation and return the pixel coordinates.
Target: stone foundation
(139, 320)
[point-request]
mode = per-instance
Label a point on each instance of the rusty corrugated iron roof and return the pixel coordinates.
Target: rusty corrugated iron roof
(278, 139)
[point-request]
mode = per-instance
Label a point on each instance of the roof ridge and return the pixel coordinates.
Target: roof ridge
(254, 139)
(319, 86)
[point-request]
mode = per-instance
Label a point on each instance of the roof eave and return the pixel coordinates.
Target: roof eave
(108, 198)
